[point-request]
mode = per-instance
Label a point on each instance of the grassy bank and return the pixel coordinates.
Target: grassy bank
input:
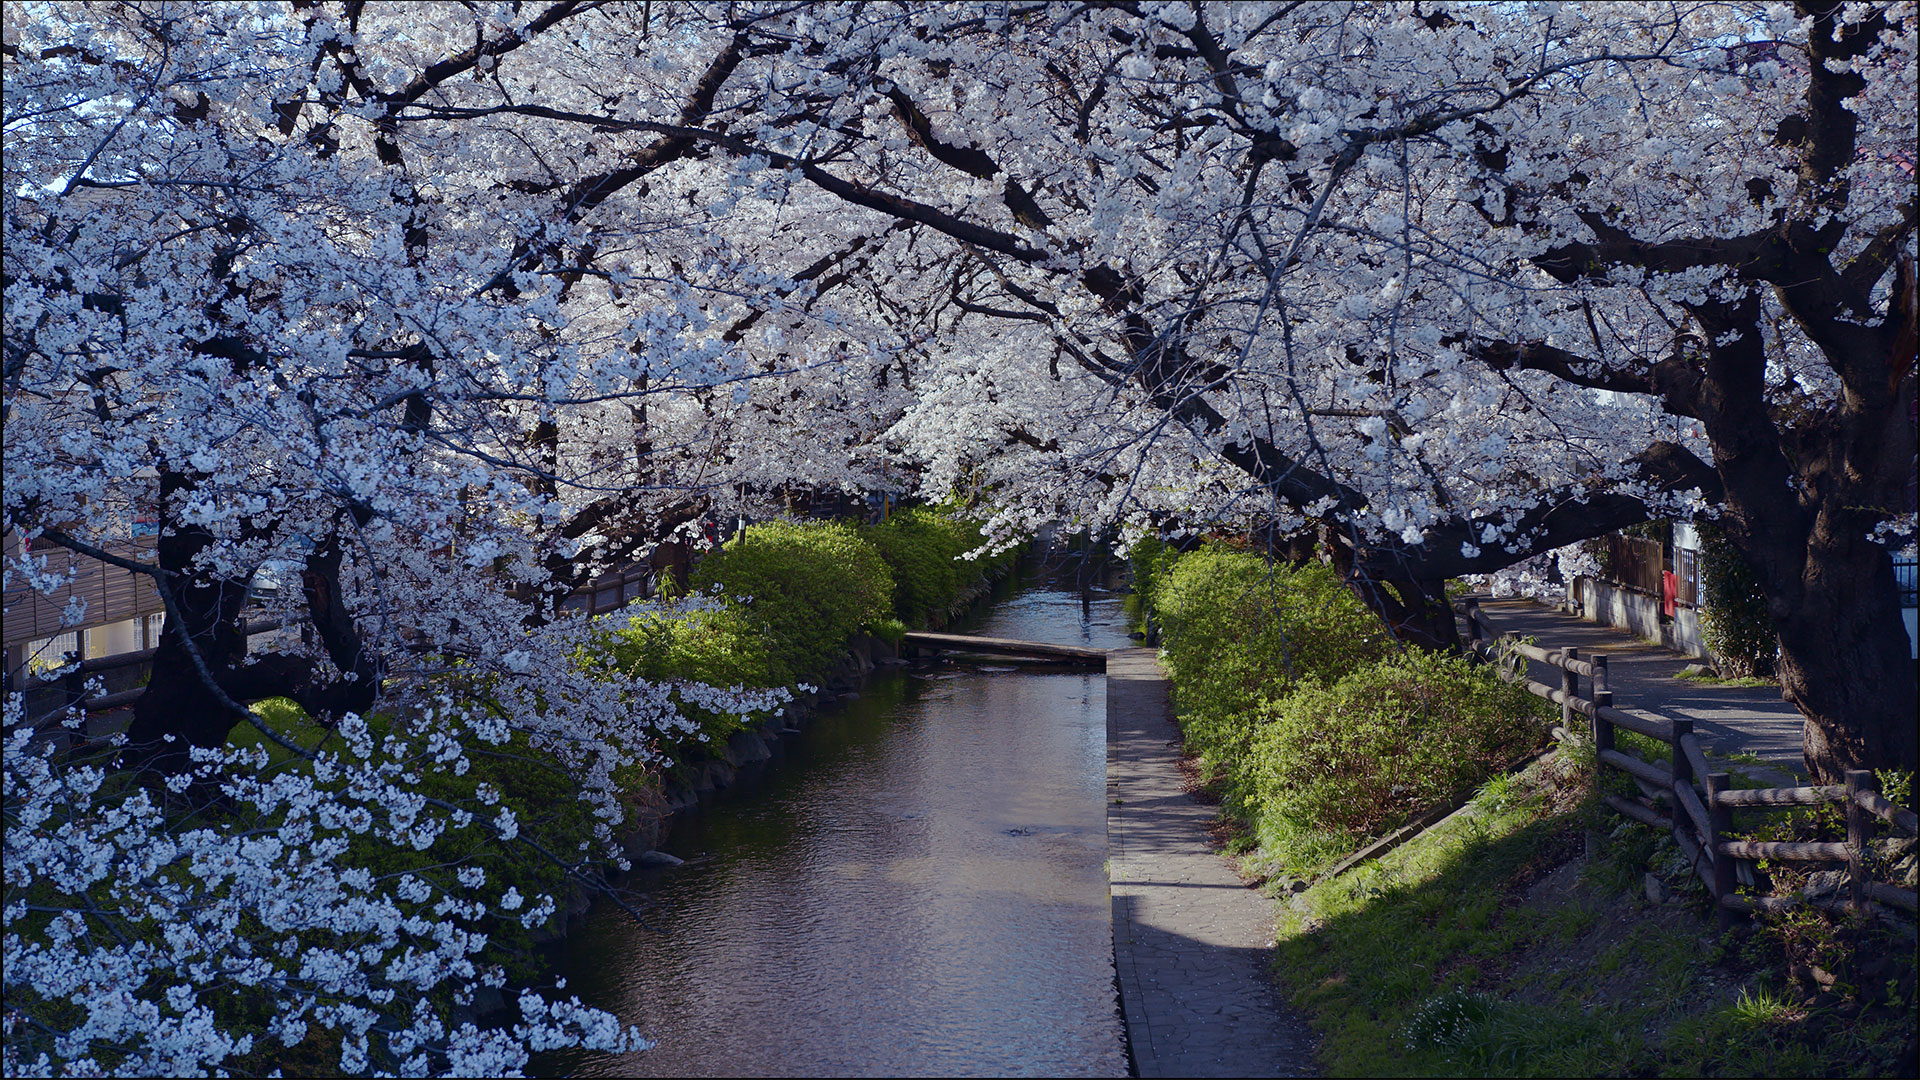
(1534, 932)
(1537, 934)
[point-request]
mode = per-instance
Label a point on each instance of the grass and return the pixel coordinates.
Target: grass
(1516, 939)
(1709, 678)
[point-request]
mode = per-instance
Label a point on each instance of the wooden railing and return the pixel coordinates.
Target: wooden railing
(1683, 794)
(73, 682)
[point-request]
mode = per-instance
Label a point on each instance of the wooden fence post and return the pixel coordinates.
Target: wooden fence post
(1682, 765)
(1602, 699)
(1721, 818)
(1473, 625)
(1570, 683)
(1859, 834)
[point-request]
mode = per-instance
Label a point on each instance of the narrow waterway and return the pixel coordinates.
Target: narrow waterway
(918, 888)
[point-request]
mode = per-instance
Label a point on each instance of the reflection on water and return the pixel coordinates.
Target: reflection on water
(919, 888)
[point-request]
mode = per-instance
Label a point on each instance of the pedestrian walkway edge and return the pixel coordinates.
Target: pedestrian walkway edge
(1192, 943)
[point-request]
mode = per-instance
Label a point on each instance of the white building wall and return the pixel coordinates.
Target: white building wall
(1640, 614)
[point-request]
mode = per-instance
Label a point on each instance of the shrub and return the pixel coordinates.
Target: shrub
(781, 602)
(717, 647)
(806, 588)
(1151, 559)
(1362, 754)
(1237, 630)
(922, 547)
(1733, 610)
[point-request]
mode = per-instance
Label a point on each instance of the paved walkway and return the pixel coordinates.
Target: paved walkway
(1191, 943)
(1728, 719)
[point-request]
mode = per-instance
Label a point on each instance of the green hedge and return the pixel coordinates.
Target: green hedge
(1237, 630)
(922, 548)
(719, 647)
(1356, 757)
(1150, 559)
(1322, 730)
(807, 588)
(785, 598)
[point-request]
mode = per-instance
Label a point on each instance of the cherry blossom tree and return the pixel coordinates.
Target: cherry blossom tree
(1450, 288)
(238, 300)
(451, 307)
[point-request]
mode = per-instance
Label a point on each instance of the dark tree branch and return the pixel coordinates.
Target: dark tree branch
(1675, 379)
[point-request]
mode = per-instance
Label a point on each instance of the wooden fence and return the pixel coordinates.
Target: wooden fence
(111, 593)
(48, 700)
(1637, 564)
(1684, 795)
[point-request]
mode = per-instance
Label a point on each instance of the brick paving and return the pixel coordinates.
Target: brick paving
(1191, 942)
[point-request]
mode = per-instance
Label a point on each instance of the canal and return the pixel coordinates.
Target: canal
(918, 888)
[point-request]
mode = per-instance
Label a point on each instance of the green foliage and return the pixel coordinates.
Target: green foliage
(1237, 630)
(1471, 1033)
(719, 647)
(1320, 729)
(1733, 609)
(1358, 756)
(1151, 559)
(1896, 785)
(1446, 957)
(1448, 1020)
(1302, 622)
(922, 547)
(1744, 682)
(806, 588)
(783, 601)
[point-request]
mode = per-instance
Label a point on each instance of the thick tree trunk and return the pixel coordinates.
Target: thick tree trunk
(1416, 612)
(1845, 661)
(200, 675)
(203, 618)
(1415, 609)
(1804, 501)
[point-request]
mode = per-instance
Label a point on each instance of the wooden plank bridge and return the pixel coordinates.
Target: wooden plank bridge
(1031, 650)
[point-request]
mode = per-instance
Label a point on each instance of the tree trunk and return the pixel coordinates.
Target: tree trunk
(199, 670)
(1845, 662)
(1415, 610)
(202, 610)
(1804, 500)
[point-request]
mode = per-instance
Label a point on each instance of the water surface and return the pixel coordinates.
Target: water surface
(919, 888)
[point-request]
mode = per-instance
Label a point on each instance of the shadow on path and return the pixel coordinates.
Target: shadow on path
(1191, 943)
